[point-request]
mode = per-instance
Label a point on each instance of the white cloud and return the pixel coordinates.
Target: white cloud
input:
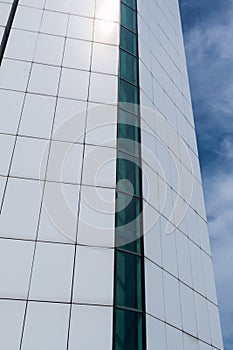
(219, 201)
(226, 148)
(209, 50)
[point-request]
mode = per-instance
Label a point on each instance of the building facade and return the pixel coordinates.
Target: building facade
(103, 235)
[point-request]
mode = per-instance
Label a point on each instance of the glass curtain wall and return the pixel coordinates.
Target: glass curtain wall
(129, 300)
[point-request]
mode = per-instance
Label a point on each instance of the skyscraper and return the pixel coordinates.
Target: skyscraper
(103, 235)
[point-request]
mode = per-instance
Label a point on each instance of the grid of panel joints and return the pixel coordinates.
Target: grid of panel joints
(54, 302)
(129, 298)
(197, 274)
(169, 49)
(194, 211)
(197, 180)
(62, 99)
(192, 232)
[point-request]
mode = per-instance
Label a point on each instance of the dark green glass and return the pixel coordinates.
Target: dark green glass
(128, 94)
(129, 326)
(123, 235)
(131, 209)
(129, 132)
(128, 169)
(128, 140)
(128, 18)
(128, 67)
(126, 117)
(130, 3)
(128, 222)
(128, 280)
(128, 335)
(128, 41)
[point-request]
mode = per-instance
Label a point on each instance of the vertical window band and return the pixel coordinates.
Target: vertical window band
(129, 326)
(7, 29)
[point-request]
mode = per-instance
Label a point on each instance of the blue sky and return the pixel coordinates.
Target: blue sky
(208, 33)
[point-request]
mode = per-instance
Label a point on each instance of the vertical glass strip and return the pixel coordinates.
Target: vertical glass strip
(128, 333)
(129, 293)
(8, 29)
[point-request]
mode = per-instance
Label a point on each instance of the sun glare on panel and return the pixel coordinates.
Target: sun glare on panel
(106, 27)
(108, 10)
